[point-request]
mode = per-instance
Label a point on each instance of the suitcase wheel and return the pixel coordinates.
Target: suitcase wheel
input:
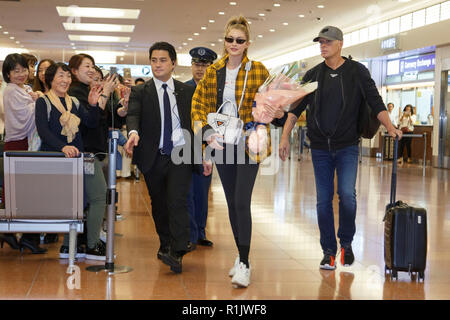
(394, 274)
(422, 275)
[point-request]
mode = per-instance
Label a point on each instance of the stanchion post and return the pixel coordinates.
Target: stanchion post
(424, 152)
(72, 247)
(111, 200)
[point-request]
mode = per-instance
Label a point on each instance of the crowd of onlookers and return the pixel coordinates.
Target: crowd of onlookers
(68, 108)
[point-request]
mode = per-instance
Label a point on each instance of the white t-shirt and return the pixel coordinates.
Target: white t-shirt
(229, 92)
(393, 118)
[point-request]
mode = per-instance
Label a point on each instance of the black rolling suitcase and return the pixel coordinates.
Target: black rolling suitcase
(405, 234)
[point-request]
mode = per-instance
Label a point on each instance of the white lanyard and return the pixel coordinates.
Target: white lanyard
(248, 66)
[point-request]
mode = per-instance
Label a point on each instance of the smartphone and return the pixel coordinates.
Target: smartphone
(127, 73)
(112, 71)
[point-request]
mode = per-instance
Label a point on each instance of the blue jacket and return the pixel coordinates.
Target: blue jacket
(191, 83)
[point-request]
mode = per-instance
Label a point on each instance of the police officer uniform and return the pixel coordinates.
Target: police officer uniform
(198, 194)
(201, 55)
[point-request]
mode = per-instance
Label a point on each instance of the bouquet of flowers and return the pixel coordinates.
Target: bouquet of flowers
(275, 95)
(279, 91)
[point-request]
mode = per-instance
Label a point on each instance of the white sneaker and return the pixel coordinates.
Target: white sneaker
(242, 276)
(233, 268)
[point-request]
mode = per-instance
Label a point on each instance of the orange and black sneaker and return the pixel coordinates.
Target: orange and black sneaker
(347, 257)
(328, 262)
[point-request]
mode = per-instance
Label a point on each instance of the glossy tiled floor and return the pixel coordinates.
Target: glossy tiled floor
(285, 251)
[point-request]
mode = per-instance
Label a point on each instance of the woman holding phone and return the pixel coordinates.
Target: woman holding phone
(406, 124)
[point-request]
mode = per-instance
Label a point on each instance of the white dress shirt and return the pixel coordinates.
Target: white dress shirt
(393, 118)
(177, 131)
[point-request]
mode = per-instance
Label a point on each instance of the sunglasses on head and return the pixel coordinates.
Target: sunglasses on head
(238, 41)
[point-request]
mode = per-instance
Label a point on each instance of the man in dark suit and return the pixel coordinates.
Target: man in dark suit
(159, 129)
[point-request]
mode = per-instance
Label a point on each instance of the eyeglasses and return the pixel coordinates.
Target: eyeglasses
(238, 41)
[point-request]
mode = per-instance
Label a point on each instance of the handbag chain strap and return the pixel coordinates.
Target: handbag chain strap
(248, 66)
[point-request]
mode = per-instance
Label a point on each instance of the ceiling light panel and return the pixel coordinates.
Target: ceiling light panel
(89, 38)
(90, 12)
(98, 27)
(101, 56)
(5, 51)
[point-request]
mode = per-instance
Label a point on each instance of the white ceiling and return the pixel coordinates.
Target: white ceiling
(175, 21)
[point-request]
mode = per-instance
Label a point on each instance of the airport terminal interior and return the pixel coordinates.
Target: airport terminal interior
(405, 46)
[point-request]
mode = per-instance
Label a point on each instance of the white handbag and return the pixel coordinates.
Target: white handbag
(226, 125)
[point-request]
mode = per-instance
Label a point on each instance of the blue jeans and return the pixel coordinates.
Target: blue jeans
(345, 163)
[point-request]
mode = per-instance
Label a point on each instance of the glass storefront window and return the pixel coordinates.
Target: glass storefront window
(421, 98)
(424, 104)
(445, 11)
(432, 14)
(406, 22)
(394, 26)
(444, 127)
(426, 76)
(419, 18)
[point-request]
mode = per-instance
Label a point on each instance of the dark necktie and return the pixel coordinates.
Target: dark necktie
(167, 138)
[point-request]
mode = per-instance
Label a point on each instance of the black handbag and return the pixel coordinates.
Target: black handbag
(368, 123)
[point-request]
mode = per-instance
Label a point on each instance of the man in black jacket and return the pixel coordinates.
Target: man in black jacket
(332, 121)
(159, 116)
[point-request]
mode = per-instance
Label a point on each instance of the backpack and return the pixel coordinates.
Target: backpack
(368, 123)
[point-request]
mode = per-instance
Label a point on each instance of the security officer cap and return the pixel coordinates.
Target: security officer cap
(202, 54)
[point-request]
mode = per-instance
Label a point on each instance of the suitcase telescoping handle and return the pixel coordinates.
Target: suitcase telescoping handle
(394, 172)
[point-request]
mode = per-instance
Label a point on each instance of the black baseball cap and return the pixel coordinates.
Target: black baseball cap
(330, 33)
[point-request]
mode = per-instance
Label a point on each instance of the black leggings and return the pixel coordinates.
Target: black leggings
(238, 181)
(405, 141)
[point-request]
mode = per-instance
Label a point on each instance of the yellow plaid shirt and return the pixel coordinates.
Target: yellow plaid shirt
(204, 100)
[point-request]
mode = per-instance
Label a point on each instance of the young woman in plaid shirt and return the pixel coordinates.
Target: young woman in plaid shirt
(224, 80)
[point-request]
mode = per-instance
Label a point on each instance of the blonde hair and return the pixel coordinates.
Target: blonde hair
(238, 23)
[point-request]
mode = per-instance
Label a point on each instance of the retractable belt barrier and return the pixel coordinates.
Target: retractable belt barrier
(411, 135)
